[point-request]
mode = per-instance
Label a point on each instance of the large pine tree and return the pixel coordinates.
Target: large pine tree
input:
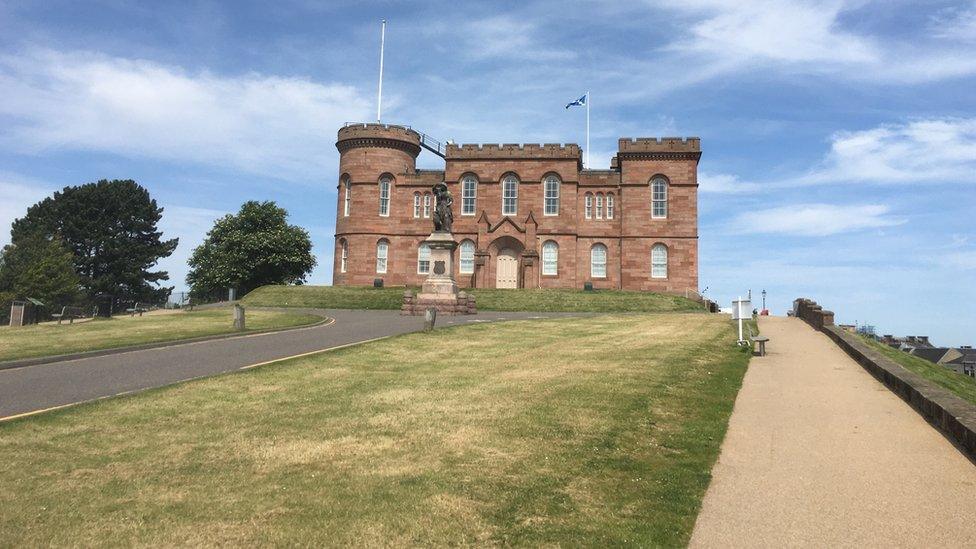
(110, 229)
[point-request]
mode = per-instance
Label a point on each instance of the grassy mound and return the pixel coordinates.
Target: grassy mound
(597, 431)
(357, 297)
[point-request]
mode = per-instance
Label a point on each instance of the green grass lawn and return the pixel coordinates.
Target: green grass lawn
(54, 339)
(597, 431)
(353, 297)
(962, 385)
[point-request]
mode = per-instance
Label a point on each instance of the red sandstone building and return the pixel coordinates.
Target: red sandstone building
(526, 216)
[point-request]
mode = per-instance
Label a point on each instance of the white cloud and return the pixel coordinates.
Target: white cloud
(958, 23)
(808, 36)
(814, 219)
(500, 36)
(935, 150)
(267, 125)
(721, 183)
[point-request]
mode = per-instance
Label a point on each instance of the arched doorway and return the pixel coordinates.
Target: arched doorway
(506, 269)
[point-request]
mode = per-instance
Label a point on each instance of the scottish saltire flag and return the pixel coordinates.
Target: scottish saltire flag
(578, 103)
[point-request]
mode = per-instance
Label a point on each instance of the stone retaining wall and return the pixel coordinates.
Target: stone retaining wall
(955, 417)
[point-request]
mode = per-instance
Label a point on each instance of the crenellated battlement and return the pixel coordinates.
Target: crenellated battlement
(659, 145)
(378, 135)
(512, 150)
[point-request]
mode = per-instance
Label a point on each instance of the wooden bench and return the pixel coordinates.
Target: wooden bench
(70, 313)
(137, 309)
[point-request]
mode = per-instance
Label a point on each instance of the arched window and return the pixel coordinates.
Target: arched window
(588, 205)
(659, 198)
(466, 264)
(416, 204)
(659, 261)
(609, 205)
(426, 205)
(382, 252)
(551, 206)
(469, 194)
(423, 259)
(510, 195)
(343, 255)
(385, 196)
(599, 205)
(550, 258)
(347, 196)
(598, 261)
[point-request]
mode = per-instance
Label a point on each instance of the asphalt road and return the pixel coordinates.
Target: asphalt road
(45, 386)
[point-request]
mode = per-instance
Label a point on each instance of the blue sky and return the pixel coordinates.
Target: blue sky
(839, 137)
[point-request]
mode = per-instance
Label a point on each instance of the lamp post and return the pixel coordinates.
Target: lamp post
(764, 299)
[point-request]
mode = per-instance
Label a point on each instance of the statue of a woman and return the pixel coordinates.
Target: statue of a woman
(443, 216)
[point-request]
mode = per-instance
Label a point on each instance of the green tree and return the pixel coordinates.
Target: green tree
(110, 229)
(253, 248)
(40, 268)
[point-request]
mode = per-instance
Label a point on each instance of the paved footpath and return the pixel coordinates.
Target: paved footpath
(819, 453)
(44, 386)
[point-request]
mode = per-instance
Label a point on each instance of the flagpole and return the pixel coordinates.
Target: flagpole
(587, 165)
(379, 93)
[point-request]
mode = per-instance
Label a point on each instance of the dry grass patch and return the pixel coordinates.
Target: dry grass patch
(582, 431)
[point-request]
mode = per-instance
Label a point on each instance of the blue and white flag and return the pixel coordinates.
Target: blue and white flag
(578, 103)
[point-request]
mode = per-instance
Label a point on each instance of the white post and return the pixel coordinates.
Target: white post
(587, 159)
(379, 93)
(738, 313)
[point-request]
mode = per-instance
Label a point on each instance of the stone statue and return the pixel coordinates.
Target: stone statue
(443, 216)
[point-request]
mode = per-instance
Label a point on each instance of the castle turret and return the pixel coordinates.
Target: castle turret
(373, 158)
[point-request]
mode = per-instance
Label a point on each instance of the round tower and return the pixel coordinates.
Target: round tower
(372, 159)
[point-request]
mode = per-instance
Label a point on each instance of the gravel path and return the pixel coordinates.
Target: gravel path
(819, 453)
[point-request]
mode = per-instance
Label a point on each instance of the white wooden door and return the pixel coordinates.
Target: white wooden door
(506, 272)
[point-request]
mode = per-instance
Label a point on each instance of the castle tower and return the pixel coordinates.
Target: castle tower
(373, 159)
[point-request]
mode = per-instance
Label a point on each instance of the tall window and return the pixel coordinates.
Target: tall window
(426, 204)
(510, 195)
(598, 261)
(469, 194)
(659, 261)
(552, 196)
(385, 196)
(343, 256)
(659, 198)
(423, 259)
(347, 196)
(382, 252)
(550, 258)
(609, 205)
(466, 265)
(588, 206)
(599, 205)
(416, 204)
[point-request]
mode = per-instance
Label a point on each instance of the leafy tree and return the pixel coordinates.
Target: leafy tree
(110, 229)
(253, 248)
(40, 268)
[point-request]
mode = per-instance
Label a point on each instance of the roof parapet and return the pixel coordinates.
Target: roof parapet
(513, 150)
(663, 144)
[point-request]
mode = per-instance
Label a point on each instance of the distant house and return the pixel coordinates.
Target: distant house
(962, 360)
(907, 343)
(931, 354)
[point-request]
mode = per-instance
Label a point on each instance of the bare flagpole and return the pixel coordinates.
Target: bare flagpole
(379, 93)
(587, 128)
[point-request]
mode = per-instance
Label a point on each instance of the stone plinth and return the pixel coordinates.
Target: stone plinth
(439, 290)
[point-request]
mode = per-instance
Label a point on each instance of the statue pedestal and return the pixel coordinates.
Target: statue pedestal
(440, 290)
